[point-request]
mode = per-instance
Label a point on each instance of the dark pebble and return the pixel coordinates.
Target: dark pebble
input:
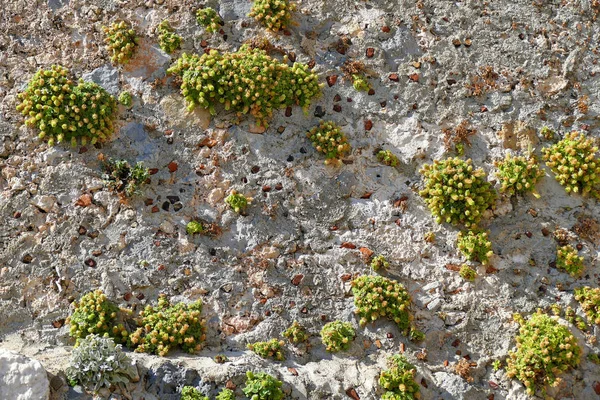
(173, 199)
(319, 112)
(166, 205)
(177, 206)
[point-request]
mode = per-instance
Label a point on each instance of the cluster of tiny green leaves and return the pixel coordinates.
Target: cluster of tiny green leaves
(275, 15)
(166, 326)
(329, 139)
(399, 380)
(467, 273)
(209, 19)
(168, 40)
(122, 178)
(65, 111)
(388, 158)
(360, 83)
(237, 201)
(246, 81)
(575, 319)
(547, 133)
(120, 41)
(194, 227)
(271, 349)
(191, 393)
(95, 314)
(518, 174)
(125, 99)
(544, 350)
(574, 163)
(455, 192)
(589, 299)
(475, 246)
(379, 262)
(220, 358)
(376, 296)
(567, 259)
(337, 336)
(98, 363)
(226, 394)
(262, 386)
(295, 333)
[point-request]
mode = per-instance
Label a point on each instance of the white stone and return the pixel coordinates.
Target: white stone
(22, 378)
(44, 202)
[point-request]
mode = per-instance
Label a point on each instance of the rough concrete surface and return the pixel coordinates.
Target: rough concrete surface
(545, 55)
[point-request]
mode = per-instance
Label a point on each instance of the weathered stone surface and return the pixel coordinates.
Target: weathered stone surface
(22, 378)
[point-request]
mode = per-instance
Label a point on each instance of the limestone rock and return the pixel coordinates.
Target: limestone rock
(22, 378)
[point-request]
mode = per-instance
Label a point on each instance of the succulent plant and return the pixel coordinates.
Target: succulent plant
(65, 111)
(95, 314)
(191, 393)
(329, 139)
(388, 158)
(125, 99)
(295, 333)
(98, 363)
(337, 336)
(545, 349)
(475, 245)
(519, 174)
(547, 133)
(120, 41)
(455, 192)
(262, 386)
(398, 380)
(122, 178)
(166, 326)
(360, 83)
(429, 237)
(574, 163)
(221, 358)
(467, 273)
(589, 298)
(247, 81)
(226, 394)
(379, 262)
(237, 201)
(275, 15)
(209, 19)
(168, 40)
(567, 259)
(271, 349)
(376, 296)
(194, 227)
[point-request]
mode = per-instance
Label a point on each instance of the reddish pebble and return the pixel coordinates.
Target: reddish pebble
(337, 108)
(394, 77)
(297, 279)
(331, 80)
(155, 209)
(385, 29)
(368, 124)
(370, 52)
(172, 166)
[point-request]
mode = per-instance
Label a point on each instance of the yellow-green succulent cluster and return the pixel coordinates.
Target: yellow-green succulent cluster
(360, 83)
(376, 296)
(125, 99)
(271, 349)
(209, 19)
(545, 349)
(475, 245)
(262, 386)
(455, 192)
(398, 380)
(388, 158)
(120, 41)
(247, 81)
(194, 227)
(273, 14)
(589, 298)
(467, 273)
(168, 40)
(379, 262)
(337, 336)
(95, 314)
(568, 260)
(226, 394)
(574, 163)
(191, 393)
(237, 201)
(65, 111)
(329, 139)
(166, 326)
(518, 174)
(295, 333)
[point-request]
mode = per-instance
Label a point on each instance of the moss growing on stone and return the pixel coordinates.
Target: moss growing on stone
(589, 299)
(262, 386)
(519, 174)
(275, 15)
(455, 192)
(388, 158)
(574, 163)
(475, 245)
(379, 262)
(568, 260)
(467, 273)
(237, 201)
(337, 336)
(360, 83)
(65, 111)
(125, 99)
(191, 393)
(329, 139)
(398, 380)
(246, 81)
(209, 19)
(168, 40)
(194, 227)
(271, 349)
(226, 394)
(166, 326)
(376, 296)
(121, 41)
(295, 333)
(545, 349)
